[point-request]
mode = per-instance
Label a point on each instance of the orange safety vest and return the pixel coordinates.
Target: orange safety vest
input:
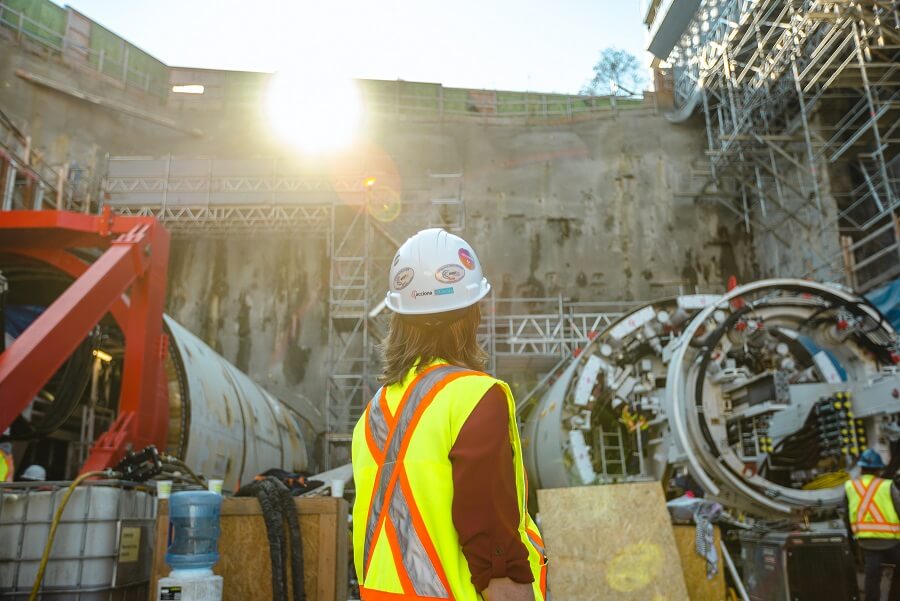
(871, 507)
(406, 547)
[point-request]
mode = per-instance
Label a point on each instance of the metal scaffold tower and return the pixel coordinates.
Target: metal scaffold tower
(366, 233)
(801, 102)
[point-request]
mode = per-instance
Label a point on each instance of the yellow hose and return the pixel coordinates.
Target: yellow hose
(36, 587)
(828, 480)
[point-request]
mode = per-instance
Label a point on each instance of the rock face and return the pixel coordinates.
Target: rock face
(597, 209)
(589, 210)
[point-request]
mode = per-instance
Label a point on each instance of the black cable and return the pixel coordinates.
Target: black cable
(271, 513)
(69, 384)
(280, 516)
(289, 510)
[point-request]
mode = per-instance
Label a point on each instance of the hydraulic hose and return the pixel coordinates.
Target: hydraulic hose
(36, 587)
(271, 512)
(289, 509)
(283, 530)
(170, 459)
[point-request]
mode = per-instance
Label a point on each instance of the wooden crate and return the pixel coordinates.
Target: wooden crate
(610, 543)
(244, 549)
(694, 567)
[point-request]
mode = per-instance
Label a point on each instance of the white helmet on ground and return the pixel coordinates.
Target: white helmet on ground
(435, 272)
(35, 473)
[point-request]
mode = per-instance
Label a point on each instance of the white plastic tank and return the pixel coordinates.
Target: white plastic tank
(102, 548)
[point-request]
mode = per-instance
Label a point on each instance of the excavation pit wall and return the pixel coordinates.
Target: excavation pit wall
(596, 208)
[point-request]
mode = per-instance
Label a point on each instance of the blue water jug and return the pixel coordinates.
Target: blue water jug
(193, 530)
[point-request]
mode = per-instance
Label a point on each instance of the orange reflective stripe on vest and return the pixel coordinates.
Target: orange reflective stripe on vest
(867, 507)
(538, 543)
(392, 509)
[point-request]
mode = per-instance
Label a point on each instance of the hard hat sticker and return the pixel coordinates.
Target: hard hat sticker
(466, 258)
(443, 291)
(403, 278)
(450, 273)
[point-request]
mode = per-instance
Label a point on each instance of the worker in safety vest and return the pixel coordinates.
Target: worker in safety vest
(872, 504)
(7, 469)
(440, 511)
(6, 466)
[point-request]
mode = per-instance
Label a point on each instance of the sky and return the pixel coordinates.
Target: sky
(533, 45)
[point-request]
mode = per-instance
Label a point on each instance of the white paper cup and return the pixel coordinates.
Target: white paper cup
(214, 486)
(337, 488)
(163, 488)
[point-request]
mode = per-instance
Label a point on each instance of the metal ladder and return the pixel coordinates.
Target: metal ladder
(611, 451)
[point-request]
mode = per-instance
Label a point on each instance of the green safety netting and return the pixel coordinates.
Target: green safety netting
(41, 20)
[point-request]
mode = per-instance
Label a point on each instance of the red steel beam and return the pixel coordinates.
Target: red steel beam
(64, 229)
(71, 265)
(32, 359)
(137, 259)
(143, 400)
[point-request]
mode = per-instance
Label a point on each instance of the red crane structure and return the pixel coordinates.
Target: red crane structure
(128, 281)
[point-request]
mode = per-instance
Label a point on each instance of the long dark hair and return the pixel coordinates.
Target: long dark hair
(450, 336)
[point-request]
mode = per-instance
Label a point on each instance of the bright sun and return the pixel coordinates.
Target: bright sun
(314, 112)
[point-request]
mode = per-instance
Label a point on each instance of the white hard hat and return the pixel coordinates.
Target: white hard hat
(435, 272)
(34, 472)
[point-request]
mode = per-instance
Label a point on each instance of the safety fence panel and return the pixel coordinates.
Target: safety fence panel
(40, 20)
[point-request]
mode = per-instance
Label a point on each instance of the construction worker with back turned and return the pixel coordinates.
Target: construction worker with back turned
(872, 504)
(440, 509)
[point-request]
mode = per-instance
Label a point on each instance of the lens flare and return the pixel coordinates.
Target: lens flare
(315, 112)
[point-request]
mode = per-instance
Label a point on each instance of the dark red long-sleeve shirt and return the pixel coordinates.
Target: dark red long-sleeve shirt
(486, 510)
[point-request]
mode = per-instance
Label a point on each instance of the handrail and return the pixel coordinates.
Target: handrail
(525, 104)
(65, 43)
(379, 97)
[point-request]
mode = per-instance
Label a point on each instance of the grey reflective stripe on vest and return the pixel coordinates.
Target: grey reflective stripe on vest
(415, 558)
(538, 546)
(377, 422)
(418, 565)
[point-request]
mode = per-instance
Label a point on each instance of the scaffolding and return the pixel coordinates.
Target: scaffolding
(365, 216)
(534, 334)
(228, 197)
(365, 235)
(800, 100)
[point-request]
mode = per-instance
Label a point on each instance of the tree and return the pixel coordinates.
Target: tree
(617, 73)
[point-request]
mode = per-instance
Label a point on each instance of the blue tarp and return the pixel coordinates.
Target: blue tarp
(19, 317)
(887, 299)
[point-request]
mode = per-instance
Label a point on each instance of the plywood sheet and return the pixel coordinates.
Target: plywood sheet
(244, 549)
(610, 543)
(694, 566)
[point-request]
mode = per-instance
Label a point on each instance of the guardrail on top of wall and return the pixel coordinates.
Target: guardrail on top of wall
(66, 44)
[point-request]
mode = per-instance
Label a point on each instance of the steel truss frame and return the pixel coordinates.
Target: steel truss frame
(246, 220)
(789, 89)
(540, 331)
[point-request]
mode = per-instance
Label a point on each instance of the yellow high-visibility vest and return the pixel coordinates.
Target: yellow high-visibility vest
(872, 511)
(405, 546)
(6, 466)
